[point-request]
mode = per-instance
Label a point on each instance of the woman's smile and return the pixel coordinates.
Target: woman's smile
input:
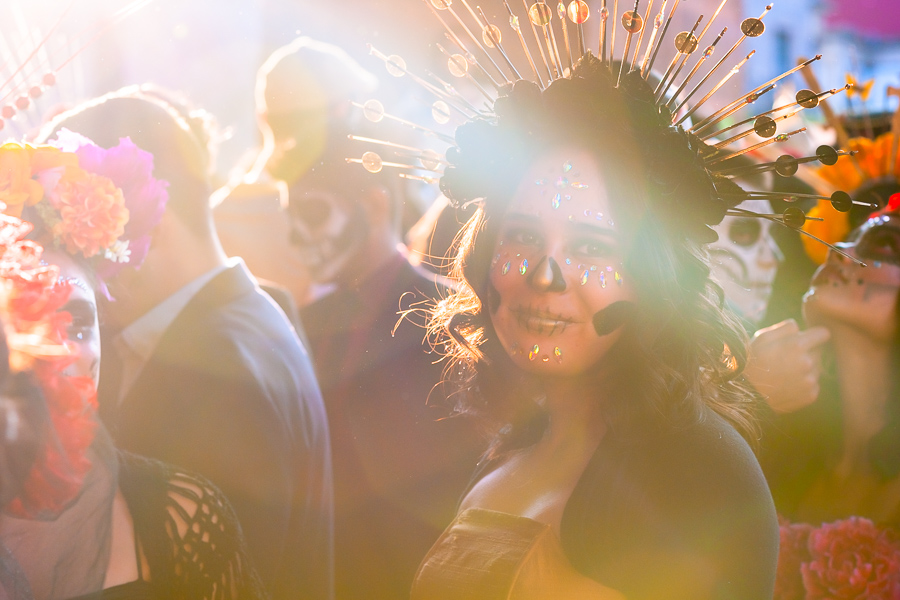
(541, 320)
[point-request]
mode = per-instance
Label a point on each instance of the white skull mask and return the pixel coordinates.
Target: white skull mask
(745, 259)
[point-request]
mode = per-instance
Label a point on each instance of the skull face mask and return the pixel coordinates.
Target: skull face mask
(327, 230)
(745, 259)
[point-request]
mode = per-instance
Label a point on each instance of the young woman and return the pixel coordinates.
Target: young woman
(588, 337)
(90, 521)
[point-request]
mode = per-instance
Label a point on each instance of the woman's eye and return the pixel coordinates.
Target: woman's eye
(524, 237)
(592, 248)
(81, 327)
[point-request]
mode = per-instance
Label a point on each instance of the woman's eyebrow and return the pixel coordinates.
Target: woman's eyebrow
(591, 229)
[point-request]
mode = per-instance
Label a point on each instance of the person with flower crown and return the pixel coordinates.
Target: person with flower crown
(86, 520)
(200, 369)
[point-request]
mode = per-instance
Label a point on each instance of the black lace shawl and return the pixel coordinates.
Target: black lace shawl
(188, 532)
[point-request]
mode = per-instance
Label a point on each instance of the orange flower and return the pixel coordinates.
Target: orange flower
(833, 228)
(17, 187)
(871, 162)
(92, 214)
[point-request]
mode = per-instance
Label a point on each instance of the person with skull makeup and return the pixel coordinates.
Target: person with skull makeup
(785, 362)
(840, 456)
(586, 334)
(399, 468)
(200, 368)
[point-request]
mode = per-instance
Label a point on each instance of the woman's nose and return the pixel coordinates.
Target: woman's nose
(547, 276)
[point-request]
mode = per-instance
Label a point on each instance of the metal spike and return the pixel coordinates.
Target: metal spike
(728, 110)
(744, 134)
(780, 219)
(362, 161)
(662, 36)
(579, 22)
(612, 43)
(706, 54)
(538, 41)
(459, 43)
(474, 38)
(443, 94)
(604, 17)
(453, 94)
(754, 92)
(690, 95)
(734, 71)
(685, 49)
(770, 166)
(711, 21)
(465, 71)
(781, 137)
(842, 138)
(554, 46)
(640, 41)
(657, 22)
(389, 144)
(515, 25)
(468, 31)
(561, 11)
(820, 96)
(631, 19)
(489, 29)
(410, 124)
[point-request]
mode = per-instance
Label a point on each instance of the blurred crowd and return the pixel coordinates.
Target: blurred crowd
(230, 386)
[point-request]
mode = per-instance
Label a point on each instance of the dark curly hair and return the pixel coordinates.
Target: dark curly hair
(681, 350)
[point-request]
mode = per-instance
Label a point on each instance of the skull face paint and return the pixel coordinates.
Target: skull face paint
(843, 293)
(744, 260)
(327, 230)
(543, 314)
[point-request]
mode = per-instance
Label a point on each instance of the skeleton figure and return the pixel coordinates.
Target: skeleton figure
(744, 261)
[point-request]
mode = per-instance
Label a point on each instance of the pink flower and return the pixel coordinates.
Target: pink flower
(131, 170)
(852, 559)
(792, 553)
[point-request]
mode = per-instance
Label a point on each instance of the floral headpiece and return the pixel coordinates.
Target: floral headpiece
(695, 187)
(101, 204)
(872, 162)
(31, 295)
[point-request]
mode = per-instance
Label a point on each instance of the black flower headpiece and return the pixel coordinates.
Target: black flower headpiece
(686, 167)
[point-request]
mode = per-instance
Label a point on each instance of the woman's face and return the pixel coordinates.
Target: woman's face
(864, 298)
(557, 268)
(84, 330)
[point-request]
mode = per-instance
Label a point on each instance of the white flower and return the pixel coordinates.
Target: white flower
(118, 252)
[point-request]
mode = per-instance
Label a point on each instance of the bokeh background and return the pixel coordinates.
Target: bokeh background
(210, 49)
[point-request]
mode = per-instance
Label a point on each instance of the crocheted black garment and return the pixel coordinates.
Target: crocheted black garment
(188, 533)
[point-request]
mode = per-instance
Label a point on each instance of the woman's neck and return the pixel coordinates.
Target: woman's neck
(573, 409)
(864, 377)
